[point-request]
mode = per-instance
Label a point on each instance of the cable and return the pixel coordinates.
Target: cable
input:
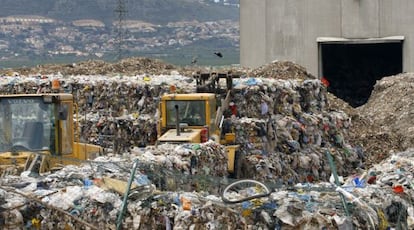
(257, 184)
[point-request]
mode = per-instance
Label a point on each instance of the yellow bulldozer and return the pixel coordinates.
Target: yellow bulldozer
(37, 133)
(198, 117)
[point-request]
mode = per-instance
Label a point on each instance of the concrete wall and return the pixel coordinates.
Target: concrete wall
(288, 29)
(255, 35)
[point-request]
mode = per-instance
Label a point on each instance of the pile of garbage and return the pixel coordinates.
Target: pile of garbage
(91, 196)
(285, 124)
(121, 78)
(207, 158)
(295, 158)
(119, 113)
(283, 127)
(118, 134)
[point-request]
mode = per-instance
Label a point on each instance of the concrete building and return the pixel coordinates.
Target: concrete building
(352, 43)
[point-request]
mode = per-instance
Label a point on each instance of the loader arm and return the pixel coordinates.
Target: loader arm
(220, 110)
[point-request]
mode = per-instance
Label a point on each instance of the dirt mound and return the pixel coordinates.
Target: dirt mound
(282, 70)
(376, 141)
(129, 66)
(391, 107)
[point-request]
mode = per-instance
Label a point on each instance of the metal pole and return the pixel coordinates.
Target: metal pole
(125, 201)
(335, 174)
(177, 123)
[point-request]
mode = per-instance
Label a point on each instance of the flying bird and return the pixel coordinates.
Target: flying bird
(218, 54)
(194, 61)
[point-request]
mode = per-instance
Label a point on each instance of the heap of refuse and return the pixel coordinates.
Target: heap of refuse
(207, 158)
(291, 128)
(91, 196)
(285, 123)
(284, 130)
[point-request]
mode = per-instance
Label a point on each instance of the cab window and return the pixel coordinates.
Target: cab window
(192, 113)
(25, 124)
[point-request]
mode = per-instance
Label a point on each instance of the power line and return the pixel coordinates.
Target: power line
(121, 12)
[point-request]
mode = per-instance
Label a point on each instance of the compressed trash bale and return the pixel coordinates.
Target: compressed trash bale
(282, 96)
(118, 113)
(120, 134)
(295, 126)
(64, 192)
(93, 93)
(209, 158)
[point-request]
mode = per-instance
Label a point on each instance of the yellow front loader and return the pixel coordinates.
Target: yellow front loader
(195, 118)
(37, 133)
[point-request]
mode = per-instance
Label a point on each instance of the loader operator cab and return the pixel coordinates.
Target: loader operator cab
(186, 118)
(37, 133)
(33, 123)
(191, 113)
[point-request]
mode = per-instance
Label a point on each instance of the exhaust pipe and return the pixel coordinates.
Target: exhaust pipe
(177, 122)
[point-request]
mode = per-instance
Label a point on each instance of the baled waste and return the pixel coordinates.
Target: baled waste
(284, 124)
(121, 114)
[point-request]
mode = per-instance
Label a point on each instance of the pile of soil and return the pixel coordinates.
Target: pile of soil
(391, 107)
(376, 141)
(129, 66)
(282, 70)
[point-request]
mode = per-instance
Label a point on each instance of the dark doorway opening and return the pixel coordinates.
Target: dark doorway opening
(352, 69)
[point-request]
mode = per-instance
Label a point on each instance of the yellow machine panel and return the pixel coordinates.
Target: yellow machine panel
(189, 135)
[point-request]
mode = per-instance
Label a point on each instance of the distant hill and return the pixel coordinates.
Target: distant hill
(154, 11)
(85, 29)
